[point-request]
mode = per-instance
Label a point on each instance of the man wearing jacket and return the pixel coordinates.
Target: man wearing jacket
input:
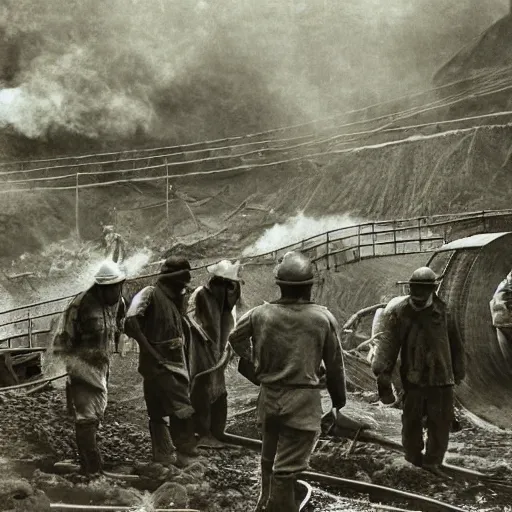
(212, 317)
(418, 327)
(293, 348)
(155, 319)
(84, 340)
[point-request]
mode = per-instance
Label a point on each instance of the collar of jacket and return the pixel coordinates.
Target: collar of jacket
(292, 301)
(435, 303)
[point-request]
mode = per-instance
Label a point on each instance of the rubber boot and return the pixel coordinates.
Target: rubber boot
(88, 452)
(266, 477)
(219, 416)
(70, 408)
(161, 444)
(282, 494)
(183, 435)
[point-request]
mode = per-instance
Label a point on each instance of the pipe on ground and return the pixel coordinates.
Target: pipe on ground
(33, 383)
(110, 508)
(426, 504)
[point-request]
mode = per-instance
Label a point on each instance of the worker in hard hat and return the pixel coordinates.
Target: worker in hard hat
(501, 313)
(294, 348)
(114, 244)
(155, 319)
(212, 317)
(419, 329)
(84, 339)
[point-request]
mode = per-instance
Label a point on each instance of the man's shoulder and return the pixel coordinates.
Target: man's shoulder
(397, 304)
(140, 301)
(308, 309)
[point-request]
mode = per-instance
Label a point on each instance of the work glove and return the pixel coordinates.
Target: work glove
(385, 390)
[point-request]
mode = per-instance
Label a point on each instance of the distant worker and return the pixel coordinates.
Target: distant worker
(114, 244)
(84, 340)
(155, 319)
(501, 312)
(294, 348)
(417, 327)
(212, 315)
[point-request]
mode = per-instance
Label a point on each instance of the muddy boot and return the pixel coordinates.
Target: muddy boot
(282, 494)
(161, 444)
(414, 459)
(89, 454)
(266, 477)
(436, 469)
(70, 408)
(183, 436)
(219, 415)
(210, 442)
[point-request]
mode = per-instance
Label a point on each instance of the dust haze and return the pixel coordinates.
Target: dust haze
(188, 70)
(297, 228)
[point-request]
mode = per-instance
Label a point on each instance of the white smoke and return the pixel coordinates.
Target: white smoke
(296, 229)
(135, 263)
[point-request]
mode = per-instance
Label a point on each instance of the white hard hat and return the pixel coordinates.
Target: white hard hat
(109, 273)
(226, 270)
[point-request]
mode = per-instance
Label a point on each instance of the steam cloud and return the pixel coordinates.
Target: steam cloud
(191, 69)
(296, 229)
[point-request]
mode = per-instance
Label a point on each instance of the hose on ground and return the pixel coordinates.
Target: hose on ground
(426, 503)
(33, 383)
(109, 508)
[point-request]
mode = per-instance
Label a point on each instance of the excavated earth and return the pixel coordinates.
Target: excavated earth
(37, 433)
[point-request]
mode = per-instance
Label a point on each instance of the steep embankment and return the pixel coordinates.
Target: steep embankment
(447, 172)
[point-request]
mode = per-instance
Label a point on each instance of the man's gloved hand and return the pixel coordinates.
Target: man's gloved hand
(384, 388)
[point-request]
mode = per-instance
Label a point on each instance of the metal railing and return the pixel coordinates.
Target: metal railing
(330, 251)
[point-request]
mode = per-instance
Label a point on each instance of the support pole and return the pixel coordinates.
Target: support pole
(77, 208)
(29, 329)
(167, 191)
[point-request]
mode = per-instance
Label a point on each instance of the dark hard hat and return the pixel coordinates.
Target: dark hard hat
(424, 276)
(295, 269)
(177, 268)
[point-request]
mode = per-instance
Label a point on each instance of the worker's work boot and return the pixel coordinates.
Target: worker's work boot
(88, 452)
(161, 444)
(282, 494)
(436, 469)
(266, 477)
(70, 407)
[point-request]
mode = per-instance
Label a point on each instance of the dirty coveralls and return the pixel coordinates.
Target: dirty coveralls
(295, 351)
(207, 348)
(432, 361)
(166, 393)
(84, 339)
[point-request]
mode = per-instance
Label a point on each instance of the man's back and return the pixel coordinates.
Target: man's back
(289, 342)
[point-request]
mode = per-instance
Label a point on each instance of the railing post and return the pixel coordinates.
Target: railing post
(394, 237)
(77, 207)
(29, 329)
(327, 249)
(167, 192)
(359, 242)
(419, 233)
(374, 238)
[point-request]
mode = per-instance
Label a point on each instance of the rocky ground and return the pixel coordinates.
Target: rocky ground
(37, 433)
